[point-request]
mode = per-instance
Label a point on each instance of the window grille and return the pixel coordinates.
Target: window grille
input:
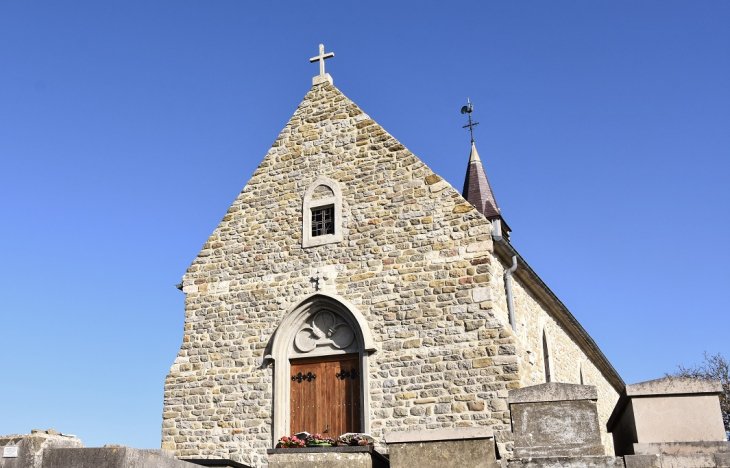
(323, 221)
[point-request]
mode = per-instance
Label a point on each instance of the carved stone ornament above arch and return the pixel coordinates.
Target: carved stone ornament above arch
(324, 329)
(282, 346)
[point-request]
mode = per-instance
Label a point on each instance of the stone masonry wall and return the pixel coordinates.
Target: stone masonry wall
(531, 317)
(415, 260)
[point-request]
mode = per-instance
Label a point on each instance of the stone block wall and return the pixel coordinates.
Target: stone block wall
(472, 447)
(111, 457)
(30, 448)
(532, 316)
(415, 260)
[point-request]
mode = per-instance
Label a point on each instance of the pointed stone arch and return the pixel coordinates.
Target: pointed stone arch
(321, 325)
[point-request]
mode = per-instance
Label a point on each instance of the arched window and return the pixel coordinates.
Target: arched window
(546, 358)
(320, 353)
(581, 380)
(322, 213)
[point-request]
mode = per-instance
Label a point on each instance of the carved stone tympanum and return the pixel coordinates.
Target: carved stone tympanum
(324, 329)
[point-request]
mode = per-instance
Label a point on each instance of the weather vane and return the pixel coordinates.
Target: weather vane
(467, 109)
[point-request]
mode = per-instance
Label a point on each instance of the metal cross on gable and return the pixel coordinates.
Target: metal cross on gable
(321, 58)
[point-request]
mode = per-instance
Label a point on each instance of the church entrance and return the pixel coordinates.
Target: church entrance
(320, 352)
(325, 395)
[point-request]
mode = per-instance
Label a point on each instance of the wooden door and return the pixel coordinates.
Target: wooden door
(325, 393)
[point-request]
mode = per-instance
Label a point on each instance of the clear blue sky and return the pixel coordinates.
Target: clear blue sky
(128, 128)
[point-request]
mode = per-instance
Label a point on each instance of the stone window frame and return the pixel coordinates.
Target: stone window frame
(547, 357)
(308, 204)
(281, 349)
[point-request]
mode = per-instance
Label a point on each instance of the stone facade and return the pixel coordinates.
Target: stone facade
(415, 269)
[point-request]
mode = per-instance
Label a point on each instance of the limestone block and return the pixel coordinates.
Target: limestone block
(110, 457)
(696, 460)
(680, 454)
(642, 461)
(322, 79)
(482, 294)
(553, 391)
(722, 460)
(667, 410)
(567, 462)
(225, 463)
(673, 448)
(333, 457)
(555, 420)
(469, 446)
(28, 450)
(693, 460)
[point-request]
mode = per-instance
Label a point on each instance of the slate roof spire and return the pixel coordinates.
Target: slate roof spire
(477, 190)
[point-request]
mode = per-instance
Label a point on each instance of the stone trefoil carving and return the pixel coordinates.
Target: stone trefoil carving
(324, 329)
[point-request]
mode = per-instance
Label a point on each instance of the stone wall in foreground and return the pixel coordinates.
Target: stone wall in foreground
(27, 450)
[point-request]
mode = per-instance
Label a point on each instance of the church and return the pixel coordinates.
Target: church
(350, 289)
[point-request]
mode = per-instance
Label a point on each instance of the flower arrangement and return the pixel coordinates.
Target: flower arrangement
(318, 440)
(290, 442)
(355, 438)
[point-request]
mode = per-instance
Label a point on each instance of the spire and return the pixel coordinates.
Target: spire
(477, 190)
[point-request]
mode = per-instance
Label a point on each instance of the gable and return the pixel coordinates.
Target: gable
(384, 187)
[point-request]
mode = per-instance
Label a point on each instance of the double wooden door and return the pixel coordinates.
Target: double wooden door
(325, 395)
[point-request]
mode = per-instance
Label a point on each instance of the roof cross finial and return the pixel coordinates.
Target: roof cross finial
(467, 109)
(321, 58)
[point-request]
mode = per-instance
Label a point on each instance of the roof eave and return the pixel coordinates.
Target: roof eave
(505, 251)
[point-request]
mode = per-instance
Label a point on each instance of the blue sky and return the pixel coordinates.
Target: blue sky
(128, 128)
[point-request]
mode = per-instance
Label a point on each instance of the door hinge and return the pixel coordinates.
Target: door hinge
(308, 377)
(343, 375)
